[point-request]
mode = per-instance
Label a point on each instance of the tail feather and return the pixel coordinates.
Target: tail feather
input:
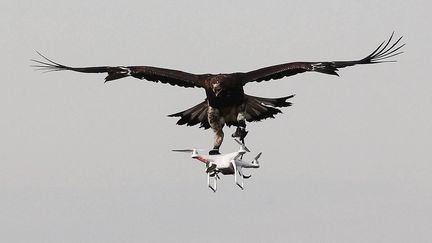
(194, 116)
(257, 109)
(276, 102)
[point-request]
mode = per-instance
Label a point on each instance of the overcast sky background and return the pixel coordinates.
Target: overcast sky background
(84, 161)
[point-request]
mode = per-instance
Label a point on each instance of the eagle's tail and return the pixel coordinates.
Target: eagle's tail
(194, 115)
(257, 109)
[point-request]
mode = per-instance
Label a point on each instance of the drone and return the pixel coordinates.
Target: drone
(226, 164)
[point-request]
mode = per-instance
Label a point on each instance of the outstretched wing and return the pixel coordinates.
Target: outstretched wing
(384, 51)
(155, 74)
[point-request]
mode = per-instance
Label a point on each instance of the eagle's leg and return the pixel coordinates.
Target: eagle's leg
(241, 128)
(219, 135)
(217, 124)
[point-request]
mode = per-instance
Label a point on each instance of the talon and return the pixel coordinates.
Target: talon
(236, 134)
(211, 169)
(240, 133)
(243, 134)
(214, 152)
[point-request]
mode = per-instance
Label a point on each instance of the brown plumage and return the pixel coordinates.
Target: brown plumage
(226, 102)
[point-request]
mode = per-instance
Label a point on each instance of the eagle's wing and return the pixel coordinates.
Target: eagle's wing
(380, 54)
(155, 74)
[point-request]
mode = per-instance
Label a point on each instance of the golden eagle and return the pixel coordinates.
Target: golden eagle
(226, 103)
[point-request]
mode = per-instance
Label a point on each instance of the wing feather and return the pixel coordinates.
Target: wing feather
(381, 54)
(155, 74)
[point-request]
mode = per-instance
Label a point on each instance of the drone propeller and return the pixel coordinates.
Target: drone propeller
(194, 152)
(188, 150)
(243, 146)
(183, 150)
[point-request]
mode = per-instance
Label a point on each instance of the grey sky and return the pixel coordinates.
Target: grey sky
(84, 161)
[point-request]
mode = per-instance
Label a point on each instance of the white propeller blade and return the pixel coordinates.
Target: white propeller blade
(183, 150)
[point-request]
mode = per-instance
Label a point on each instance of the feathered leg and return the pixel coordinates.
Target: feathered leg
(216, 123)
(241, 127)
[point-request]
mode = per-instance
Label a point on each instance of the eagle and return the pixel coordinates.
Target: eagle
(226, 102)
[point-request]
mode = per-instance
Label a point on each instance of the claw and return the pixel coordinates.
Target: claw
(214, 152)
(211, 168)
(240, 133)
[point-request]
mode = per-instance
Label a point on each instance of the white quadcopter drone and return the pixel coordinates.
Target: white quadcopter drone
(227, 164)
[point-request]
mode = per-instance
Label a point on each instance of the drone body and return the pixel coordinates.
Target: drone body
(226, 164)
(226, 103)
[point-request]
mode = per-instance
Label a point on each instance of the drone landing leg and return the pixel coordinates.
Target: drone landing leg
(240, 170)
(214, 187)
(235, 176)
